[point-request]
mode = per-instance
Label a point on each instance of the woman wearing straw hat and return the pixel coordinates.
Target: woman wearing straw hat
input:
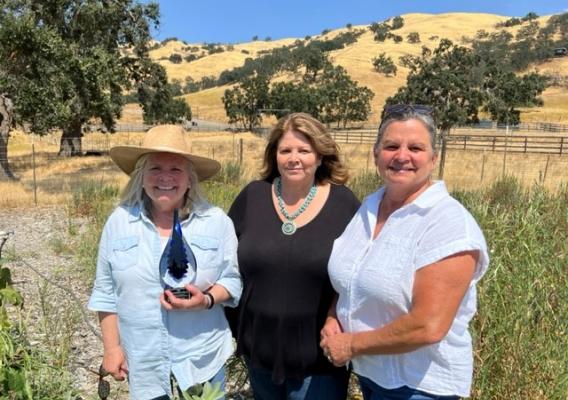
(150, 334)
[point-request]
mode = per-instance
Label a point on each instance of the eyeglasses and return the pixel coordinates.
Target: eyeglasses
(103, 388)
(399, 109)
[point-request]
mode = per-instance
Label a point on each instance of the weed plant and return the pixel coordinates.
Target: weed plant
(364, 184)
(520, 331)
(28, 372)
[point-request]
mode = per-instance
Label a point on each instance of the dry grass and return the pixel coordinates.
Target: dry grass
(56, 177)
(207, 104)
(555, 107)
(357, 60)
(210, 65)
(131, 114)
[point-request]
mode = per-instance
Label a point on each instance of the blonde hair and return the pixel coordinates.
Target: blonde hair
(331, 168)
(133, 193)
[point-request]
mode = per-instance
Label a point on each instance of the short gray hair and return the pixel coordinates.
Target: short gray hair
(408, 114)
(134, 194)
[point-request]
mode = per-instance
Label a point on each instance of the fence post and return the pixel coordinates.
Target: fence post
(505, 151)
(561, 144)
(545, 169)
(34, 174)
(526, 140)
(482, 167)
(240, 151)
(465, 142)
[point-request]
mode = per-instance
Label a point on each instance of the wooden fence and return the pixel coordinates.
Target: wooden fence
(510, 144)
(471, 142)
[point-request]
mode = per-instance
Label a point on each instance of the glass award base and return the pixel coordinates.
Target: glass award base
(180, 293)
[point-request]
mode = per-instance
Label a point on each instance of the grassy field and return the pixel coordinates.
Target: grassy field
(520, 331)
(54, 177)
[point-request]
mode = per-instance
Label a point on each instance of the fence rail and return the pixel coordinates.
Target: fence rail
(511, 144)
(494, 143)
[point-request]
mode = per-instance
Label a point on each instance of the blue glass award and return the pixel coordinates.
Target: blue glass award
(178, 266)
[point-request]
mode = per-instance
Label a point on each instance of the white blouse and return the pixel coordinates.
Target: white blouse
(374, 279)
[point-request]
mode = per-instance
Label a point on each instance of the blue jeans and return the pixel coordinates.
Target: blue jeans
(313, 387)
(372, 391)
(218, 378)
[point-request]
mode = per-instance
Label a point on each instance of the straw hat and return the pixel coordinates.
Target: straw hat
(163, 138)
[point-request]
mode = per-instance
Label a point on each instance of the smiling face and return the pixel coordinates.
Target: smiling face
(404, 156)
(166, 179)
(296, 158)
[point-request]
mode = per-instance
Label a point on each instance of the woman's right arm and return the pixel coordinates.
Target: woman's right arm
(114, 361)
(437, 293)
(103, 301)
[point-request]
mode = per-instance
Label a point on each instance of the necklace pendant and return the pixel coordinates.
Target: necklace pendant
(289, 228)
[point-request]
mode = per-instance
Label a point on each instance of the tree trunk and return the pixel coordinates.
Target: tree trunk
(71, 140)
(6, 118)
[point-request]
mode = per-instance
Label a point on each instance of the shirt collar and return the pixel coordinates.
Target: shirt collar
(135, 212)
(431, 196)
(427, 199)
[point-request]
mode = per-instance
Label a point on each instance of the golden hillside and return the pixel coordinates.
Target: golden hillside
(357, 60)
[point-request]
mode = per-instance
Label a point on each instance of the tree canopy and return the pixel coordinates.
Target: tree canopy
(458, 83)
(65, 62)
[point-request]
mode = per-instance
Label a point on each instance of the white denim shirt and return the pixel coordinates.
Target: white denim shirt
(374, 279)
(191, 345)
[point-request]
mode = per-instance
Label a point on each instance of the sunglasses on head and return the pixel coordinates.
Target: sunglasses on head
(394, 109)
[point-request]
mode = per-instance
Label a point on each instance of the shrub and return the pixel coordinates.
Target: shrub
(397, 22)
(413, 37)
(175, 58)
(384, 65)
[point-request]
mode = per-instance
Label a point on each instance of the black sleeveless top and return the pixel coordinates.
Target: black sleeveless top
(287, 292)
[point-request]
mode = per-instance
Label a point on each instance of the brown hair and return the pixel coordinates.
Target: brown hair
(331, 168)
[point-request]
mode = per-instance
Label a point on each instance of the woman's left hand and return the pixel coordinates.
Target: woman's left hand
(197, 300)
(337, 348)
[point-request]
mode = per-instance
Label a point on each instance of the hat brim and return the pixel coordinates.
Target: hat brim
(125, 157)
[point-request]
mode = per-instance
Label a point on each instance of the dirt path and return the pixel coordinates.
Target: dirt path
(41, 245)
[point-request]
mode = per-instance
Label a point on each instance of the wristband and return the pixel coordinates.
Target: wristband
(211, 300)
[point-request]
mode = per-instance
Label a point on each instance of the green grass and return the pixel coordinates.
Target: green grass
(521, 328)
(520, 331)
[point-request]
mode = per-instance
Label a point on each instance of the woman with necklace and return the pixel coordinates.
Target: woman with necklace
(286, 224)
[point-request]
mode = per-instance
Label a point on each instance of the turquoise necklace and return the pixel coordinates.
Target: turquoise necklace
(289, 226)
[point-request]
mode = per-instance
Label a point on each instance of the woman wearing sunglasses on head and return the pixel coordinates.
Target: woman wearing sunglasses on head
(405, 269)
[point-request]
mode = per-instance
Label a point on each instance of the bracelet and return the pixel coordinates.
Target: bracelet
(211, 300)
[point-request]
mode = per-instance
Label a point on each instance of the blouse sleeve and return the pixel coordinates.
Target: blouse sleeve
(230, 277)
(451, 231)
(103, 295)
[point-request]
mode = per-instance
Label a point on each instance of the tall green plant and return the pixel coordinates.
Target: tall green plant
(521, 329)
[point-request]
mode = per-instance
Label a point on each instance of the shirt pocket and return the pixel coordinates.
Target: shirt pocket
(124, 253)
(207, 251)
